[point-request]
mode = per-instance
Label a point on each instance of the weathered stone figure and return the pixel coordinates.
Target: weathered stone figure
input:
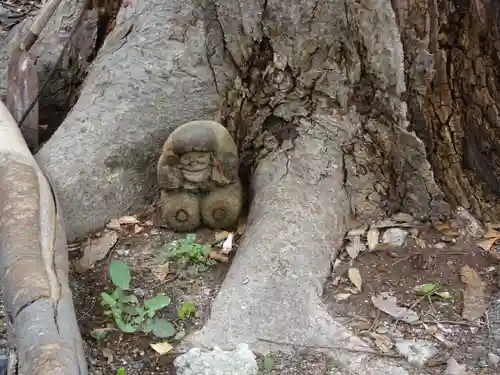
(198, 177)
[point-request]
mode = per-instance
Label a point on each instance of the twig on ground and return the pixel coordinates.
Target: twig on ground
(333, 347)
(452, 322)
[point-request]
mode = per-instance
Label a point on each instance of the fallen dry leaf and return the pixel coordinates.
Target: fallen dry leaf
(489, 239)
(227, 246)
(360, 231)
(220, 236)
(355, 278)
(445, 229)
(342, 296)
(218, 257)
(161, 272)
(355, 247)
(162, 347)
(401, 217)
(420, 242)
(372, 238)
(108, 353)
(388, 304)
(475, 298)
(94, 250)
(138, 229)
(454, 368)
(128, 220)
(382, 342)
(113, 224)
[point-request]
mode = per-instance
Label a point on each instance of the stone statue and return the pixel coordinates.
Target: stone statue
(198, 177)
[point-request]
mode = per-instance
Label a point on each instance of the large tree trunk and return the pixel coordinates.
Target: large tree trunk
(452, 64)
(322, 99)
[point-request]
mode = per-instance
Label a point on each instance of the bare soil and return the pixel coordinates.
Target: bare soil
(436, 259)
(139, 251)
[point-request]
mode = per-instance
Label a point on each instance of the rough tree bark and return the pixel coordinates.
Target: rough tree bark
(34, 264)
(323, 98)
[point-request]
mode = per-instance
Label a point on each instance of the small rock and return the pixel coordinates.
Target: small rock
(395, 237)
(454, 368)
(122, 252)
(494, 359)
(417, 352)
(240, 361)
(466, 224)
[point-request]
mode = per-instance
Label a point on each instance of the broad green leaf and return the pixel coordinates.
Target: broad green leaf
(131, 299)
(107, 300)
(140, 311)
(148, 326)
(124, 327)
(117, 293)
(162, 328)
(127, 309)
(119, 273)
(157, 302)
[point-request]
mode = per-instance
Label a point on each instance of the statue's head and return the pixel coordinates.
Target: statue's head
(193, 152)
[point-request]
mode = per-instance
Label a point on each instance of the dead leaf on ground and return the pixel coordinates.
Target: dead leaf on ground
(220, 236)
(475, 297)
(342, 296)
(355, 247)
(445, 229)
(489, 239)
(388, 304)
(94, 250)
(355, 278)
(113, 224)
(420, 242)
(454, 368)
(162, 347)
(108, 353)
(372, 238)
(382, 342)
(128, 220)
(218, 257)
(227, 246)
(161, 272)
(434, 331)
(138, 229)
(360, 231)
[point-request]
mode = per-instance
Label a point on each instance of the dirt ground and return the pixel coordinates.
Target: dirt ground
(433, 258)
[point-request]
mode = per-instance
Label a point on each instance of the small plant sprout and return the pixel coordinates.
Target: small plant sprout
(186, 252)
(187, 309)
(130, 314)
(121, 371)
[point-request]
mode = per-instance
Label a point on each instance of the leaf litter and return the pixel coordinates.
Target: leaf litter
(413, 273)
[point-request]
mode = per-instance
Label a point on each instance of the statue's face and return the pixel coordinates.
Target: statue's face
(195, 166)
